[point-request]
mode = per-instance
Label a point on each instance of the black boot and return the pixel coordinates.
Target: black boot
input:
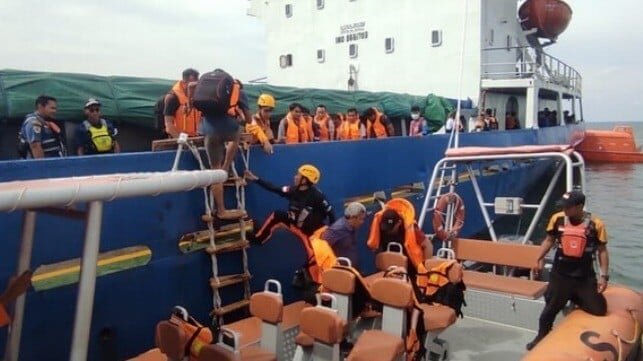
(536, 340)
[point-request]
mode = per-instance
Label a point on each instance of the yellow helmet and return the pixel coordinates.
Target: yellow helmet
(310, 172)
(266, 100)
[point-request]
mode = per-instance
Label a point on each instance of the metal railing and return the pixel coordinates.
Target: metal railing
(528, 63)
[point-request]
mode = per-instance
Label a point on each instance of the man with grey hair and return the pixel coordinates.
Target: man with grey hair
(342, 235)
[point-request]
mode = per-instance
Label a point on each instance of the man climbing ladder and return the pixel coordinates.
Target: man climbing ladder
(307, 206)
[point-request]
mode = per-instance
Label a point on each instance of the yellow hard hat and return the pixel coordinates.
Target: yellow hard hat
(266, 100)
(310, 172)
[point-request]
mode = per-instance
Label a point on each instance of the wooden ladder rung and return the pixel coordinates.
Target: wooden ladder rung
(228, 247)
(171, 144)
(229, 280)
(231, 308)
(233, 181)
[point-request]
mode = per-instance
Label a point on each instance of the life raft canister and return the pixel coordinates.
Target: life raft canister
(440, 215)
(573, 239)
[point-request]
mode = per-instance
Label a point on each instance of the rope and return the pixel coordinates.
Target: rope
(118, 185)
(18, 199)
(161, 180)
(240, 196)
(621, 340)
(216, 297)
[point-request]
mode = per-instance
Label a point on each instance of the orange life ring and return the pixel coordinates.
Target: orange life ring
(440, 213)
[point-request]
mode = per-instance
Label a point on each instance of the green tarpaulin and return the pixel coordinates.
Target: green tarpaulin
(131, 100)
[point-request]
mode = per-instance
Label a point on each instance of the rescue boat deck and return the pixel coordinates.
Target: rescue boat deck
(480, 340)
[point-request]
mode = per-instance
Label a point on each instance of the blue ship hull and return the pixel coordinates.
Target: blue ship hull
(128, 304)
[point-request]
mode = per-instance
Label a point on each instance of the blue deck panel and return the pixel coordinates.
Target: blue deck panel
(128, 304)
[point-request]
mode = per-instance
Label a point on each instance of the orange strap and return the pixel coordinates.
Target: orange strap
(4, 317)
(234, 99)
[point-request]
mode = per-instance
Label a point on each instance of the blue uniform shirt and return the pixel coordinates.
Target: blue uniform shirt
(36, 130)
(342, 238)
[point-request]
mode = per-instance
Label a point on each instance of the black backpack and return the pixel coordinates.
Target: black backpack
(216, 93)
(159, 109)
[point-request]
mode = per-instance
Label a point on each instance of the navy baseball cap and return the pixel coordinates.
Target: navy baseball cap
(571, 199)
(389, 219)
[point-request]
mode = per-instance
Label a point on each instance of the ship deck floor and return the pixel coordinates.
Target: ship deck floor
(481, 340)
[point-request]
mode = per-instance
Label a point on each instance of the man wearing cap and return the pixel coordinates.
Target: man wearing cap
(396, 223)
(96, 135)
(577, 235)
(342, 234)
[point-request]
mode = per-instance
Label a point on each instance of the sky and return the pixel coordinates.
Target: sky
(160, 38)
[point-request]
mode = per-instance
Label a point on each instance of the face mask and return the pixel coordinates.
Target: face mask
(415, 116)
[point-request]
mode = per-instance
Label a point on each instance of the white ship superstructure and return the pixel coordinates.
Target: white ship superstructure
(414, 46)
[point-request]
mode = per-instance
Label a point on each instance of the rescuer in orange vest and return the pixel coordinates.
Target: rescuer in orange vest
(377, 124)
(179, 116)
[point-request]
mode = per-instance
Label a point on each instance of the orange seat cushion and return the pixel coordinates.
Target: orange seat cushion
(304, 340)
(257, 354)
(219, 353)
(376, 345)
(492, 282)
(437, 317)
(371, 278)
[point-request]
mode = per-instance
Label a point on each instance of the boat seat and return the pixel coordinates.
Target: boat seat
(249, 329)
(322, 330)
(340, 283)
(377, 345)
(387, 344)
(503, 254)
(437, 318)
(220, 353)
(498, 283)
(171, 340)
(386, 259)
(304, 340)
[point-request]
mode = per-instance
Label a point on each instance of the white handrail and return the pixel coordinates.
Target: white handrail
(39, 193)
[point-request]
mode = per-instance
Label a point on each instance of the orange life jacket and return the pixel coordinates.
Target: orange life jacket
(349, 131)
(412, 244)
(298, 133)
(186, 118)
(440, 275)
(573, 239)
(201, 335)
(324, 133)
(323, 253)
(376, 127)
(260, 130)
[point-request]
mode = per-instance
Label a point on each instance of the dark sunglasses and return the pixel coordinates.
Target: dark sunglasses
(94, 110)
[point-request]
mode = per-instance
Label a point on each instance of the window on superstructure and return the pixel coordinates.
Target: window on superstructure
(288, 10)
(389, 45)
(321, 55)
(436, 37)
(352, 50)
(285, 60)
(320, 4)
(508, 42)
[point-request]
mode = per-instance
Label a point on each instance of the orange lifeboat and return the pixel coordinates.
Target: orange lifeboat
(550, 17)
(581, 336)
(617, 145)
